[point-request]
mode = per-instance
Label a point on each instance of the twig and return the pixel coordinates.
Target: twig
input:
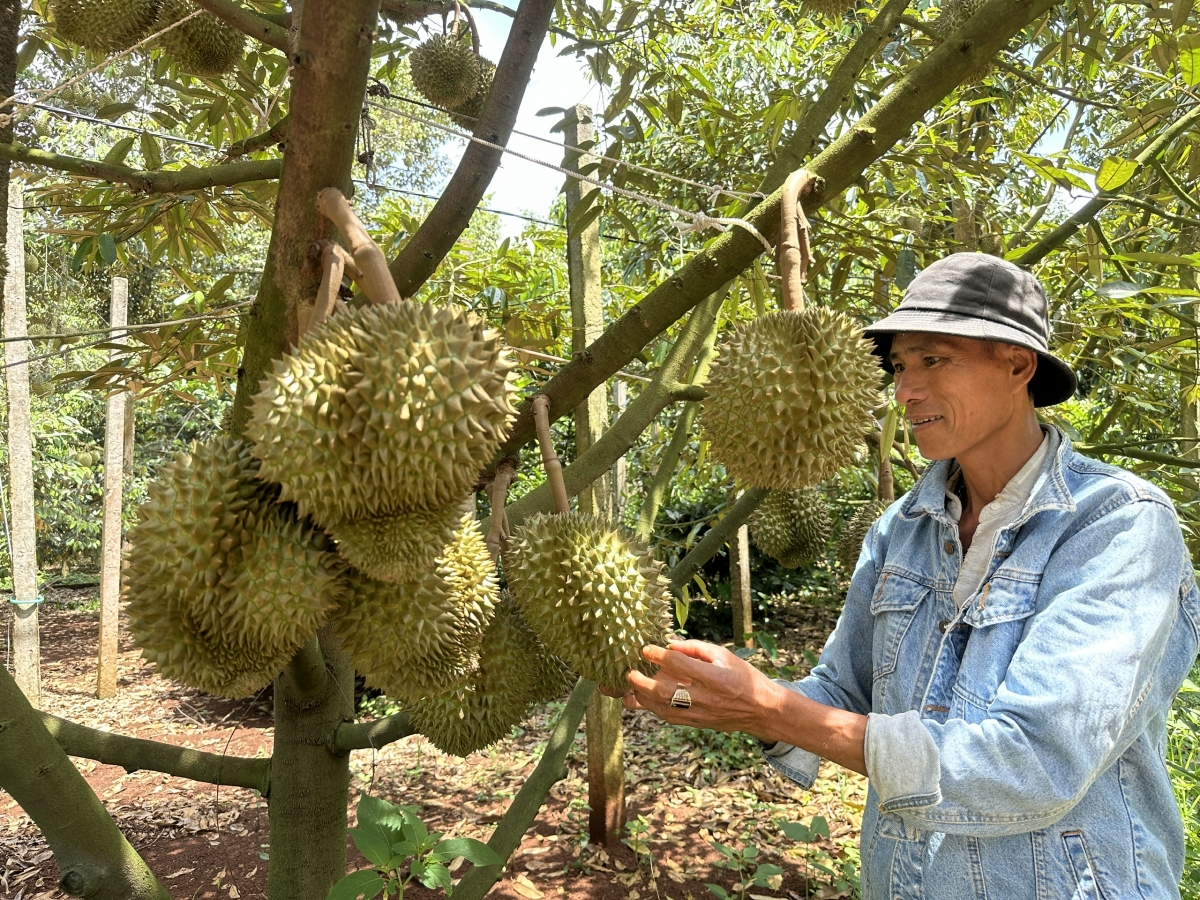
(374, 278)
(554, 475)
(793, 248)
(497, 491)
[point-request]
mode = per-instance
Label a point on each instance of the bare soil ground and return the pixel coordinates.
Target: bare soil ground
(687, 787)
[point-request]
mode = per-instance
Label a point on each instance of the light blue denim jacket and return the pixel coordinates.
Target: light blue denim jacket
(1015, 746)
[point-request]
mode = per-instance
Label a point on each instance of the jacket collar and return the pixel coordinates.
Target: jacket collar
(928, 496)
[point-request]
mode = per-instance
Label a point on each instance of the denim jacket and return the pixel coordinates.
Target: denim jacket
(1015, 746)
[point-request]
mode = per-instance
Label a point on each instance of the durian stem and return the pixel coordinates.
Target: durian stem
(716, 538)
(333, 267)
(466, 12)
(374, 734)
(793, 250)
(497, 491)
(525, 806)
(137, 754)
(374, 278)
(94, 859)
(550, 460)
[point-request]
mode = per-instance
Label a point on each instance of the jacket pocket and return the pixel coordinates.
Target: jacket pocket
(1086, 886)
(997, 620)
(893, 608)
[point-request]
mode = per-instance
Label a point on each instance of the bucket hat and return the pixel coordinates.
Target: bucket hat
(975, 295)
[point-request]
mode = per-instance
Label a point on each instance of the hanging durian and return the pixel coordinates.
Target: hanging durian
(406, 13)
(445, 69)
(467, 114)
(204, 45)
(594, 595)
(497, 696)
(420, 637)
(790, 398)
(223, 584)
(398, 546)
(104, 25)
(854, 532)
(391, 407)
(831, 9)
(792, 526)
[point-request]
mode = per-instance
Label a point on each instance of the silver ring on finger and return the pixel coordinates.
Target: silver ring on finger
(681, 699)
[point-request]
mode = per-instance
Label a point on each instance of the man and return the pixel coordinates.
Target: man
(1015, 631)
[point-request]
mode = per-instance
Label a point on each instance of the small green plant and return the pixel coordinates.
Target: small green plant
(636, 839)
(400, 848)
(750, 872)
(842, 873)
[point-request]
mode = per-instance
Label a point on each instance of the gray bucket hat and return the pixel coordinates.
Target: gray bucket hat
(975, 295)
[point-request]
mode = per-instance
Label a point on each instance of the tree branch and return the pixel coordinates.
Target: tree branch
(276, 134)
(837, 167)
(374, 734)
(248, 22)
(525, 806)
(94, 859)
(159, 182)
(716, 538)
(132, 754)
(458, 202)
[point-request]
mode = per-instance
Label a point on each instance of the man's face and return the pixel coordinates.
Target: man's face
(958, 392)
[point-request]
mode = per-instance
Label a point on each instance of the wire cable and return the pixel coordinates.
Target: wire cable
(129, 329)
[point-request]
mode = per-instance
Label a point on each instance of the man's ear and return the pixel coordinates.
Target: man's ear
(1023, 364)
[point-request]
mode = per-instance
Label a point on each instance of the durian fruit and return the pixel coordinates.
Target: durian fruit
(397, 406)
(223, 583)
(420, 638)
(204, 45)
(830, 9)
(406, 13)
(854, 532)
(445, 70)
(792, 526)
(790, 397)
(467, 114)
(952, 15)
(398, 546)
(498, 695)
(594, 595)
(104, 25)
(554, 678)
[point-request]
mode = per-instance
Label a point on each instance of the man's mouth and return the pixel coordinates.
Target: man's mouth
(918, 422)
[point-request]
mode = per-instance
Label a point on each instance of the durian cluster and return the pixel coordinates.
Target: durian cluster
(854, 532)
(450, 74)
(830, 9)
(792, 526)
(203, 45)
(791, 396)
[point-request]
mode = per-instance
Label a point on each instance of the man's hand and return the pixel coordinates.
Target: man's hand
(728, 694)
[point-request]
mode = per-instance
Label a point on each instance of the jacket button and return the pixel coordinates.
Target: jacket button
(948, 546)
(942, 625)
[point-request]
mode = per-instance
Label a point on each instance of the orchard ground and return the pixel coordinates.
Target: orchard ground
(686, 789)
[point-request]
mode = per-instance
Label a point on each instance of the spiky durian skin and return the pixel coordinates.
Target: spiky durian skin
(388, 407)
(594, 595)
(420, 638)
(498, 695)
(406, 13)
(467, 114)
(445, 70)
(398, 546)
(832, 9)
(790, 398)
(223, 584)
(104, 25)
(204, 45)
(792, 526)
(854, 532)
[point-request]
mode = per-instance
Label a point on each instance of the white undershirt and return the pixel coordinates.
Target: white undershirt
(1005, 509)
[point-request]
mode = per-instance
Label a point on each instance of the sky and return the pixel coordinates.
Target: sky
(521, 186)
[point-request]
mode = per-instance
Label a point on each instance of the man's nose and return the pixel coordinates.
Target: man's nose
(908, 388)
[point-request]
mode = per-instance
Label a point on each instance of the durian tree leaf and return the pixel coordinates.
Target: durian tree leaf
(148, 144)
(107, 247)
(115, 110)
(117, 153)
(361, 885)
(1189, 58)
(475, 852)
(1114, 173)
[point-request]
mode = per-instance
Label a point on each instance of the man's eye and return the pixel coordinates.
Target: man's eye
(897, 368)
(931, 360)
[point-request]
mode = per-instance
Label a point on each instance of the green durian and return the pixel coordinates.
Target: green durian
(398, 546)
(104, 25)
(594, 595)
(445, 70)
(790, 397)
(205, 45)
(792, 526)
(406, 13)
(384, 408)
(223, 583)
(830, 9)
(496, 697)
(420, 638)
(854, 532)
(467, 114)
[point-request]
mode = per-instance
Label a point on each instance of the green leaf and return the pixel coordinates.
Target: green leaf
(719, 891)
(361, 885)
(797, 831)
(377, 811)
(116, 155)
(115, 110)
(436, 876)
(83, 252)
(150, 152)
(404, 848)
(1115, 172)
(475, 852)
(1189, 58)
(819, 826)
(372, 842)
(108, 248)
(1118, 290)
(681, 611)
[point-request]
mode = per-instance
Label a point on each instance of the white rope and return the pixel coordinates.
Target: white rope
(702, 222)
(699, 221)
(18, 115)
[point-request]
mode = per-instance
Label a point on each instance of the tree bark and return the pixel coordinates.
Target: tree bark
(94, 859)
(110, 532)
(248, 22)
(739, 593)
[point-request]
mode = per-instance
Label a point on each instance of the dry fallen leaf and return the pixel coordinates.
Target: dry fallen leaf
(180, 872)
(526, 888)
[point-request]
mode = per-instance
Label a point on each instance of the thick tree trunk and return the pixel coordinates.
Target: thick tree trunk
(110, 533)
(94, 859)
